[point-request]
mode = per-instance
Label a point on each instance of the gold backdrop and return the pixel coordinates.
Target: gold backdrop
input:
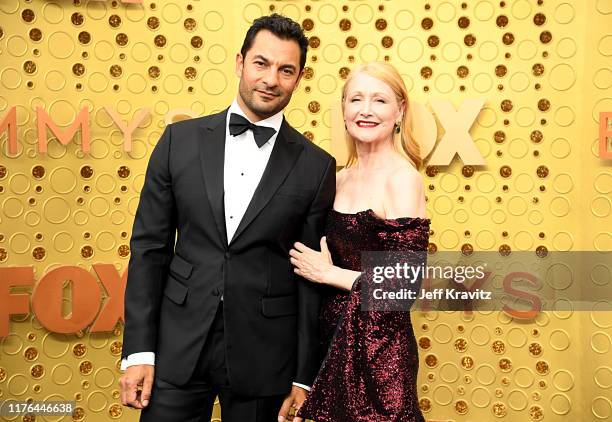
(542, 67)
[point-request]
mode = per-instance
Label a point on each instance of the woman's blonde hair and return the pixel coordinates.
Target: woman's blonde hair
(403, 142)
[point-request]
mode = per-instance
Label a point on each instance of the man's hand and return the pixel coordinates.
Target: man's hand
(135, 377)
(292, 404)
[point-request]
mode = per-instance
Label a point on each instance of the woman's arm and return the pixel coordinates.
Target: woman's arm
(318, 267)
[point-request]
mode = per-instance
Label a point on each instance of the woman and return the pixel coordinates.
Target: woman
(369, 373)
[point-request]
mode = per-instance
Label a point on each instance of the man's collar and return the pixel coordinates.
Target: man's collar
(274, 121)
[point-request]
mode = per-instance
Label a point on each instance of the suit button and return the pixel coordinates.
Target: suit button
(227, 255)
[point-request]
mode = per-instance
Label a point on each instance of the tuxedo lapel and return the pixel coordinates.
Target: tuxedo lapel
(212, 155)
(284, 154)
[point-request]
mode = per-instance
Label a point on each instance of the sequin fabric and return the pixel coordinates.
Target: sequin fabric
(371, 358)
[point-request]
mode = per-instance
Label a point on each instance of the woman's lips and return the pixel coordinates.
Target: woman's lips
(366, 124)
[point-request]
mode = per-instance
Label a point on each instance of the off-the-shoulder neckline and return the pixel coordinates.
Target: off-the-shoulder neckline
(371, 212)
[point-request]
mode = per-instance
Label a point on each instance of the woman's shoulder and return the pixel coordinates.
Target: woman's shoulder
(404, 176)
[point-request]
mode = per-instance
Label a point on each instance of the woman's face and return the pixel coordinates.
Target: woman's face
(370, 109)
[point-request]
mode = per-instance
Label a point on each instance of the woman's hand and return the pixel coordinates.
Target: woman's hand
(310, 264)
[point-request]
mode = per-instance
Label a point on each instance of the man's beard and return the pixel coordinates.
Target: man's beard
(263, 110)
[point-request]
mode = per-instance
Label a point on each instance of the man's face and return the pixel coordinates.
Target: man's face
(269, 73)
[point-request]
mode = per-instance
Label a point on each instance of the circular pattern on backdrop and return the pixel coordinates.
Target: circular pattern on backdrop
(562, 77)
(485, 374)
(461, 216)
(562, 241)
(480, 397)
(521, 9)
(566, 48)
(251, 11)
(601, 206)
(484, 10)
(213, 21)
(563, 380)
(363, 13)
(332, 53)
(16, 46)
(404, 19)
(523, 183)
(563, 183)
(564, 116)
(517, 400)
(480, 335)
(485, 239)
(482, 83)
(449, 372)
(445, 12)
(12, 207)
(519, 81)
(488, 51)
(442, 333)
(601, 342)
(214, 82)
(410, 49)
(10, 78)
(601, 408)
(564, 13)
(217, 53)
(603, 78)
(603, 377)
(518, 148)
(449, 182)
(53, 13)
(485, 183)
(327, 14)
(97, 401)
(560, 148)
(327, 84)
(17, 385)
(451, 52)
(369, 52)
(559, 340)
(559, 206)
(63, 242)
(442, 395)
(56, 210)
(524, 377)
(527, 50)
(63, 45)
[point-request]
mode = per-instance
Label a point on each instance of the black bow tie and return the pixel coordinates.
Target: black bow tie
(238, 125)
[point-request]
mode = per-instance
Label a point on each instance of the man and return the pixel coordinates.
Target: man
(222, 312)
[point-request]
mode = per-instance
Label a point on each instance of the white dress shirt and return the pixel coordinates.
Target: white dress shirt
(243, 167)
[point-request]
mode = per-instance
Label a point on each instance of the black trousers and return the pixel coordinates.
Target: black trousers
(194, 401)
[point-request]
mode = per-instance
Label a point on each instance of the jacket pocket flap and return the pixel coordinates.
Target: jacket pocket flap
(181, 267)
(279, 306)
(176, 291)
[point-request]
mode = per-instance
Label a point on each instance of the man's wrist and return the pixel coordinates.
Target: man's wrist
(305, 387)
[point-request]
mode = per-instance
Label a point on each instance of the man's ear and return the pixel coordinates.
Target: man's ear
(239, 65)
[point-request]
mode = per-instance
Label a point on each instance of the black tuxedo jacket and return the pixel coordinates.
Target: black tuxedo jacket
(181, 261)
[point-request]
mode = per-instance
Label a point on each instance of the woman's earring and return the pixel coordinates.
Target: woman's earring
(397, 128)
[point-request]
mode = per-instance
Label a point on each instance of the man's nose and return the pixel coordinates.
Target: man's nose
(270, 78)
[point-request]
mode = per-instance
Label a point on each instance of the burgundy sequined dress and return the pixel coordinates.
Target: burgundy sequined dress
(370, 369)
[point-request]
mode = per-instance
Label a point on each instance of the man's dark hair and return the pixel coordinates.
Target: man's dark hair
(281, 26)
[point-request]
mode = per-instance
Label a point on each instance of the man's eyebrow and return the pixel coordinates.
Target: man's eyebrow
(260, 57)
